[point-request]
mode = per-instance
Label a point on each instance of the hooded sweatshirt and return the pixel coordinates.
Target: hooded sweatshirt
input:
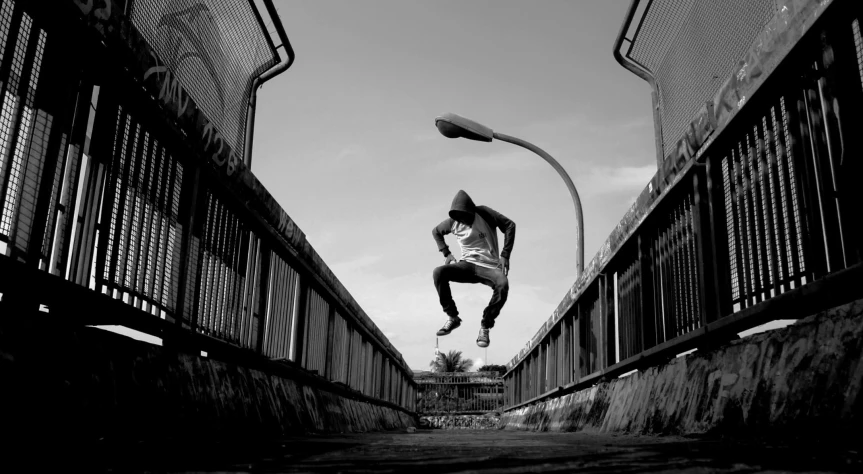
(478, 241)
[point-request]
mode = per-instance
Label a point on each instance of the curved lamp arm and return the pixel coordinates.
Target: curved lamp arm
(579, 254)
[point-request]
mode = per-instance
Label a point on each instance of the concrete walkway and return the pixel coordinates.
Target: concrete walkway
(439, 451)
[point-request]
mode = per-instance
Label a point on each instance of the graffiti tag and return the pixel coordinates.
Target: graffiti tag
(102, 13)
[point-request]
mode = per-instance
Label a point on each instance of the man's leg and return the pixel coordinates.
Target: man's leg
(461, 272)
(499, 283)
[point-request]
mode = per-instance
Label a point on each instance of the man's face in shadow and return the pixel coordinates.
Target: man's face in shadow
(465, 218)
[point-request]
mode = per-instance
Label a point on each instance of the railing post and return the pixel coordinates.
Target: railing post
(191, 194)
(299, 350)
(813, 253)
(844, 83)
(65, 99)
(67, 200)
(606, 296)
(708, 285)
(328, 354)
(648, 308)
(260, 312)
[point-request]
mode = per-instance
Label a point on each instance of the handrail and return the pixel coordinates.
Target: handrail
(635, 68)
(265, 76)
(131, 200)
(643, 73)
(675, 274)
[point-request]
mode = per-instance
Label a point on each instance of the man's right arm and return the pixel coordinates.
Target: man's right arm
(438, 232)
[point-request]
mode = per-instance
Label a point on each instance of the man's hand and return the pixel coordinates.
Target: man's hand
(449, 259)
(504, 265)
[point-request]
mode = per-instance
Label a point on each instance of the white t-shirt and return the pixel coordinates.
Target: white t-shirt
(478, 242)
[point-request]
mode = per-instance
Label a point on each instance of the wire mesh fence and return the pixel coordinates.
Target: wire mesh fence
(759, 220)
(215, 47)
(111, 197)
(690, 46)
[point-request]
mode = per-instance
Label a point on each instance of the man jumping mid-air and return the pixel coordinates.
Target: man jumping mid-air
(476, 230)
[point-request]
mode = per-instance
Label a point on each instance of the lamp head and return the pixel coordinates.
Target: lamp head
(455, 126)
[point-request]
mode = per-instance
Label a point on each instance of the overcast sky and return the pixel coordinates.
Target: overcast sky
(345, 141)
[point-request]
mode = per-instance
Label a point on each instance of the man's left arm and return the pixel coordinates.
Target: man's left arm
(507, 226)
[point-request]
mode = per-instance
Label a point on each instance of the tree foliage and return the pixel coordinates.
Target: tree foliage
(450, 362)
(501, 369)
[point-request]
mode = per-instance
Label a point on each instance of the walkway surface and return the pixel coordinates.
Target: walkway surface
(440, 451)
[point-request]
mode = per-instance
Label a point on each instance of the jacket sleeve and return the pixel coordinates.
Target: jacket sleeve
(439, 231)
(506, 226)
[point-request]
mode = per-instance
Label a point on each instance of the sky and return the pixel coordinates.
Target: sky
(345, 141)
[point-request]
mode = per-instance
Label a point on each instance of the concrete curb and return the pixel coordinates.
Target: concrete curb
(803, 377)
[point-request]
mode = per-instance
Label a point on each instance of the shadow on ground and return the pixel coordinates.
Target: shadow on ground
(439, 451)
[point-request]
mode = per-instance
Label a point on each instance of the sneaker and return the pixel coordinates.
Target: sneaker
(482, 340)
(449, 326)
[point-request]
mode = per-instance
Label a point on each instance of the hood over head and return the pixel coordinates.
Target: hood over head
(462, 205)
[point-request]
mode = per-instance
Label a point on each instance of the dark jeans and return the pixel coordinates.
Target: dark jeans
(464, 272)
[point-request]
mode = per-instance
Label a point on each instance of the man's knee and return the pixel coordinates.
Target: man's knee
(437, 274)
(501, 283)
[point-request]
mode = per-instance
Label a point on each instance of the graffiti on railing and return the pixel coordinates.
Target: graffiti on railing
(155, 228)
(783, 31)
(163, 83)
(792, 19)
(188, 26)
(171, 89)
(87, 7)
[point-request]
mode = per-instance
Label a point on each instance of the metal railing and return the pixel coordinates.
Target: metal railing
(457, 393)
(115, 187)
(758, 224)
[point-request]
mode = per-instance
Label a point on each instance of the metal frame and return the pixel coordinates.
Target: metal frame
(265, 76)
(116, 203)
(641, 71)
(740, 237)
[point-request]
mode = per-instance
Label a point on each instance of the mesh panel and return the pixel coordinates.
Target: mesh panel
(215, 47)
(691, 46)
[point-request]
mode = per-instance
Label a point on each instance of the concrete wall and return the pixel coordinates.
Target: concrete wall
(802, 379)
(86, 384)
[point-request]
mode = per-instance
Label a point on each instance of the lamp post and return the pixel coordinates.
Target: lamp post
(455, 126)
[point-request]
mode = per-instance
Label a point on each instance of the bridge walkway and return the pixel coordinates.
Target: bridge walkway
(497, 451)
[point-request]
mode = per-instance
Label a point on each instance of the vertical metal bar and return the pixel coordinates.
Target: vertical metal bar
(813, 249)
(280, 314)
(138, 234)
(745, 243)
(768, 190)
(844, 79)
(69, 181)
(299, 325)
(607, 296)
(705, 236)
(667, 278)
(60, 96)
(330, 341)
(160, 194)
(199, 231)
(756, 219)
(718, 273)
(263, 303)
(185, 263)
(834, 232)
(790, 263)
(120, 206)
(287, 292)
(107, 220)
(146, 220)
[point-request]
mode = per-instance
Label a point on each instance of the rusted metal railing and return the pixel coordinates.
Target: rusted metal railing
(752, 217)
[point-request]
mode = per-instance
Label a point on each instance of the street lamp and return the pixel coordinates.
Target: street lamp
(455, 126)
